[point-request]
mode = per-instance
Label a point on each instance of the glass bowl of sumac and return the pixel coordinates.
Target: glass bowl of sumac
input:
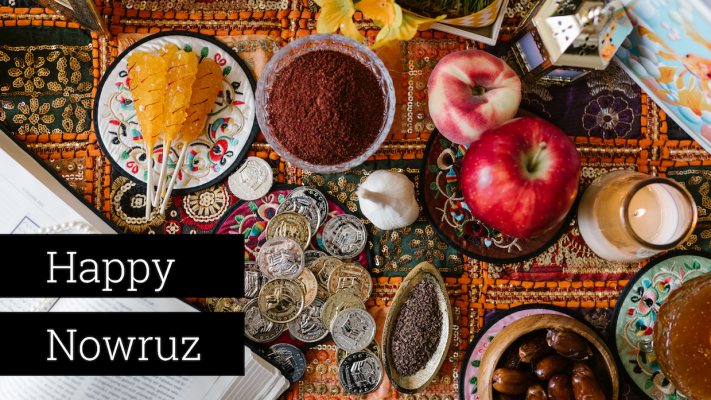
(325, 103)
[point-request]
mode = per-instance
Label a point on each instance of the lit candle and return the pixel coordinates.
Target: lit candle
(629, 216)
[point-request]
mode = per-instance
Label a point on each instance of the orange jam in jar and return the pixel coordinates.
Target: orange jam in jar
(682, 338)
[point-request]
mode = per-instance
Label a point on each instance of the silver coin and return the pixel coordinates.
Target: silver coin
(308, 326)
(290, 359)
(281, 258)
(311, 256)
(304, 206)
(253, 280)
(252, 180)
(373, 348)
(258, 328)
(360, 373)
(344, 236)
(315, 195)
(353, 329)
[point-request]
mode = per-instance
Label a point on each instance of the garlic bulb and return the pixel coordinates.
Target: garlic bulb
(387, 199)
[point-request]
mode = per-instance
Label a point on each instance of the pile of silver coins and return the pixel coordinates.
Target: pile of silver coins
(310, 292)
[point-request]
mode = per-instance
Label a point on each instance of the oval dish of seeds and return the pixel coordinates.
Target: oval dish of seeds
(429, 296)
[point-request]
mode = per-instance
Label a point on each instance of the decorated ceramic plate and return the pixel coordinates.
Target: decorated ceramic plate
(468, 377)
(636, 311)
(230, 129)
(443, 203)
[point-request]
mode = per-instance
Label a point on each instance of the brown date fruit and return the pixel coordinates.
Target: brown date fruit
(585, 388)
(583, 369)
(534, 349)
(536, 392)
(568, 344)
(511, 381)
(551, 365)
(560, 388)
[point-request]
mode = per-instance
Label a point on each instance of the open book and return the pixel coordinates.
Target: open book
(32, 196)
(262, 380)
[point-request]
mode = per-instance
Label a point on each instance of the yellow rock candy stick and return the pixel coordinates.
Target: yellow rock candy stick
(147, 82)
(205, 89)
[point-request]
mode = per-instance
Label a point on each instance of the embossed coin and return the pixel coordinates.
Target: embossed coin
(253, 280)
(360, 373)
(281, 257)
(344, 236)
(258, 328)
(312, 255)
(353, 329)
(353, 278)
(289, 359)
(372, 348)
(336, 304)
(290, 225)
(308, 327)
(315, 195)
(309, 285)
(281, 300)
(252, 180)
(322, 269)
(223, 304)
(304, 206)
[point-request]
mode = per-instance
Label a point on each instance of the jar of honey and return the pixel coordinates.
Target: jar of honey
(682, 338)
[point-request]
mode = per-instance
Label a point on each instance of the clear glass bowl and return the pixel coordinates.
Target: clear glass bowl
(332, 42)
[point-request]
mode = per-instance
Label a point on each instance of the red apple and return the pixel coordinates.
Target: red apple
(521, 177)
(470, 92)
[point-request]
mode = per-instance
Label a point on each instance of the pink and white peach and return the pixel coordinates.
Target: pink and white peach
(470, 92)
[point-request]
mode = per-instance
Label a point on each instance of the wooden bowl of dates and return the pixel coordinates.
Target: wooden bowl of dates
(548, 357)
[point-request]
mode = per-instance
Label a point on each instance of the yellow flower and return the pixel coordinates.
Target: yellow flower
(404, 27)
(337, 14)
(382, 10)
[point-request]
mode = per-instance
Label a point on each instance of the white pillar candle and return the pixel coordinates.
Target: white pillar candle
(629, 216)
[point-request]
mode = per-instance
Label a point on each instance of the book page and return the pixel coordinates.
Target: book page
(26, 304)
(31, 198)
(105, 387)
(122, 305)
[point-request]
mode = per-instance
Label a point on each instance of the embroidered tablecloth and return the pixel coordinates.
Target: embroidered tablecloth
(49, 70)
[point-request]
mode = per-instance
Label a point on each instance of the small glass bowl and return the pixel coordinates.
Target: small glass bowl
(316, 42)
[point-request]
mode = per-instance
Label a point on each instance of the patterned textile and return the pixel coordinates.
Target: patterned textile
(612, 122)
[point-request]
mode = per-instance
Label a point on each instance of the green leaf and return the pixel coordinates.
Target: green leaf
(246, 233)
(696, 265)
(476, 363)
(433, 168)
(281, 198)
(648, 384)
(491, 338)
(239, 218)
(204, 52)
(226, 70)
(253, 206)
(687, 267)
(473, 381)
(474, 391)
(433, 186)
(444, 143)
(449, 191)
(437, 195)
(124, 155)
(187, 48)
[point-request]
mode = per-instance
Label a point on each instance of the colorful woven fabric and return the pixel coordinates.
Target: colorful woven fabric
(567, 274)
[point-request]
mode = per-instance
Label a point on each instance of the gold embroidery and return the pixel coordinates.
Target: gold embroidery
(45, 47)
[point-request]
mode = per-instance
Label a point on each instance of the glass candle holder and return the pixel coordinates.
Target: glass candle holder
(681, 338)
(629, 216)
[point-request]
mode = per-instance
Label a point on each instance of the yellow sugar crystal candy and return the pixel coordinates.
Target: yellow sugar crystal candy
(147, 83)
(182, 70)
(205, 90)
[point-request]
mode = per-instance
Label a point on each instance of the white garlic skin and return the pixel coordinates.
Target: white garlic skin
(387, 199)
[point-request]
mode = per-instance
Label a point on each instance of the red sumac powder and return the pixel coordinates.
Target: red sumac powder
(326, 107)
